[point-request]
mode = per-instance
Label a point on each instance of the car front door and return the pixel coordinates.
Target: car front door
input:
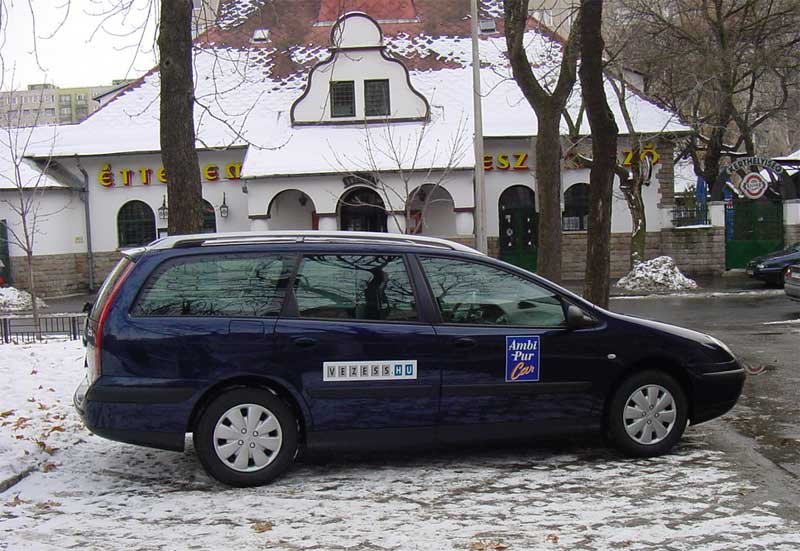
(365, 359)
(509, 362)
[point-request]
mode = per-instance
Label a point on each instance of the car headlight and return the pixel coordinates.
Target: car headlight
(761, 266)
(722, 345)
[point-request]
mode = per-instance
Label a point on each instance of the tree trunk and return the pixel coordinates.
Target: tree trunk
(604, 152)
(548, 185)
(633, 196)
(178, 151)
(32, 290)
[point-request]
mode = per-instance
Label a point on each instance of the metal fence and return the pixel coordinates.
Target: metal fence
(22, 329)
(690, 216)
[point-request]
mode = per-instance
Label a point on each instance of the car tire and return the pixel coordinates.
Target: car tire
(246, 437)
(647, 414)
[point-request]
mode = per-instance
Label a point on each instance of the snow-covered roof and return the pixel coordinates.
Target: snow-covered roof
(244, 91)
(14, 145)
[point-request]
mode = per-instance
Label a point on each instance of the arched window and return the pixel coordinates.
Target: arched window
(362, 209)
(432, 211)
(136, 224)
(576, 208)
(209, 218)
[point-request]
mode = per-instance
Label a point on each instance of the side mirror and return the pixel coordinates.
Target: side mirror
(577, 319)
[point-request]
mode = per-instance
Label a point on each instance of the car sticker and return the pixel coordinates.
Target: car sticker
(384, 370)
(522, 359)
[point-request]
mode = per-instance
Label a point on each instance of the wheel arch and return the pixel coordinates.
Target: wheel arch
(670, 366)
(280, 388)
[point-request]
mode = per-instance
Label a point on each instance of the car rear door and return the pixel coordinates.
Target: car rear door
(362, 355)
(509, 362)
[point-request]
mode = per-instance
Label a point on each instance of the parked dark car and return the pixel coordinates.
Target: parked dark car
(259, 344)
(792, 279)
(771, 267)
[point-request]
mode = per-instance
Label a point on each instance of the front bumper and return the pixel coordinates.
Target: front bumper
(715, 389)
(765, 274)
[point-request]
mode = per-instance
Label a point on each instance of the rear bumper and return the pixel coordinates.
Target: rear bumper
(792, 289)
(715, 390)
(135, 415)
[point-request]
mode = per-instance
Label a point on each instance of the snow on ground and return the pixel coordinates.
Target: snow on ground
(14, 300)
(658, 274)
(106, 495)
(36, 414)
(706, 294)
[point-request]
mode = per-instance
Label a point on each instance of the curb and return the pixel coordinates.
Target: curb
(12, 481)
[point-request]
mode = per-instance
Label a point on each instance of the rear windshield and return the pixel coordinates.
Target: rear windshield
(108, 285)
(234, 285)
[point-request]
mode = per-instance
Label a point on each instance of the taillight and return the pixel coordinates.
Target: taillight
(96, 370)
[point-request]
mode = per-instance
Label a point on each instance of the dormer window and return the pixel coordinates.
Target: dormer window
(487, 26)
(260, 36)
(376, 98)
(343, 99)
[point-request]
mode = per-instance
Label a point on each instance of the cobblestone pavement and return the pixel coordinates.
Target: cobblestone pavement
(106, 495)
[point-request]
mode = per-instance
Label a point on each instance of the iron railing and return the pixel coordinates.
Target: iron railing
(690, 216)
(21, 329)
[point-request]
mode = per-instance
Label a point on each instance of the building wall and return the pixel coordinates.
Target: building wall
(45, 104)
(697, 251)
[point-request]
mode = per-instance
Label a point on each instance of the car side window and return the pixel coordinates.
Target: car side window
(235, 285)
(363, 287)
(475, 293)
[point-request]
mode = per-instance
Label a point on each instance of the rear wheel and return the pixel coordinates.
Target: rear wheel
(246, 437)
(647, 414)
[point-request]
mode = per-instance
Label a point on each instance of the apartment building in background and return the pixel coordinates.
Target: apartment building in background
(43, 104)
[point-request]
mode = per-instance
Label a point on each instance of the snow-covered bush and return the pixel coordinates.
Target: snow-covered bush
(14, 300)
(658, 274)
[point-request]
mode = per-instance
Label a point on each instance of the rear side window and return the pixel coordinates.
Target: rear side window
(477, 294)
(108, 285)
(364, 287)
(217, 286)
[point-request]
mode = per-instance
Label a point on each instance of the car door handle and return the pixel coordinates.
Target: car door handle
(305, 342)
(465, 343)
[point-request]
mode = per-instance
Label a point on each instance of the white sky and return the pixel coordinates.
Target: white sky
(76, 53)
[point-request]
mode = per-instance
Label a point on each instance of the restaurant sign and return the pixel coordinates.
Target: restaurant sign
(108, 177)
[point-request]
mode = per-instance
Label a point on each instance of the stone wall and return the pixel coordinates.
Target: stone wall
(697, 251)
(573, 251)
(62, 274)
(54, 274)
(791, 234)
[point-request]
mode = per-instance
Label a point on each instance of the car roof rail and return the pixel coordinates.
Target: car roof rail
(303, 236)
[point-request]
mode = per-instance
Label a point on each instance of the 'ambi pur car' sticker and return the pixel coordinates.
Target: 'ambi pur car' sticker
(522, 359)
(395, 370)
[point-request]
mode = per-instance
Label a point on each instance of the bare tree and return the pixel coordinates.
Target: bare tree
(548, 104)
(184, 192)
(26, 185)
(726, 66)
(604, 153)
(421, 162)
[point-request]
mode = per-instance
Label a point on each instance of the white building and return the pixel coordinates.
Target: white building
(362, 122)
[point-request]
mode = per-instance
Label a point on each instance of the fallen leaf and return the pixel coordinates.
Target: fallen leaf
(6, 413)
(31, 400)
(261, 526)
(34, 372)
(21, 423)
(55, 428)
(552, 538)
(47, 467)
(45, 448)
(15, 501)
(484, 545)
(42, 406)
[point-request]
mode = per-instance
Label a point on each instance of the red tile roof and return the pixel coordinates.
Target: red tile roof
(331, 10)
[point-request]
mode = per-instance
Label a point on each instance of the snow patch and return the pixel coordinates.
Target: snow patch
(658, 274)
(14, 300)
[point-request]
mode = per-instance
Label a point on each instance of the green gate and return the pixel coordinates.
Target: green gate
(518, 227)
(5, 260)
(752, 228)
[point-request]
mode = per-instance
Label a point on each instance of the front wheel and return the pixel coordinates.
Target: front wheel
(647, 414)
(246, 437)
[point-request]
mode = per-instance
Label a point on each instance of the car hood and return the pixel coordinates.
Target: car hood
(701, 347)
(778, 255)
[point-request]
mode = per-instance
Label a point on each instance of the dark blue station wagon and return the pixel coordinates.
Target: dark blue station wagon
(259, 344)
